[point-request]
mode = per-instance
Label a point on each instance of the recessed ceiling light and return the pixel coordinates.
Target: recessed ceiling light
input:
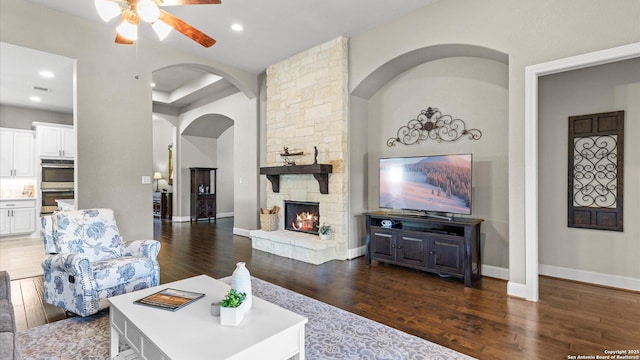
(46, 74)
(237, 27)
(35, 98)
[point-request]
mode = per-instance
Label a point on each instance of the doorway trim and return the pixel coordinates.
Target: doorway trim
(532, 73)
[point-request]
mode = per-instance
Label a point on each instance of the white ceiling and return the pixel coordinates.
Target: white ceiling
(19, 74)
(273, 31)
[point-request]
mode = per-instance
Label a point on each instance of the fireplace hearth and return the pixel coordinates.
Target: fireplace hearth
(301, 216)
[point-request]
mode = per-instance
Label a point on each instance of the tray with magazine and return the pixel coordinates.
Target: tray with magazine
(170, 299)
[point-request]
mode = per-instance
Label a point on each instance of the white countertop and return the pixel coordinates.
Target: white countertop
(15, 198)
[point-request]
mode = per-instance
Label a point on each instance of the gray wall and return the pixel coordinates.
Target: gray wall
(195, 151)
(597, 89)
(21, 118)
(244, 113)
(113, 104)
(474, 90)
(224, 198)
(358, 187)
(529, 32)
(163, 132)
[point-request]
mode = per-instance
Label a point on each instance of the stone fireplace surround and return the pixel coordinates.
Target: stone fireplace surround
(300, 245)
(307, 112)
(294, 245)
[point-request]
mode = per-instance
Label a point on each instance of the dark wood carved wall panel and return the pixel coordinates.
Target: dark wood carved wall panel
(595, 188)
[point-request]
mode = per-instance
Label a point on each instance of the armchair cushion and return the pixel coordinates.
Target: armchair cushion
(114, 272)
(92, 232)
(47, 234)
(88, 261)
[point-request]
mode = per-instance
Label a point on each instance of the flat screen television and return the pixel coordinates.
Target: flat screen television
(432, 184)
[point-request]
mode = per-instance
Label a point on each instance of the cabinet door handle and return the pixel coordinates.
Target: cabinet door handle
(382, 235)
(411, 238)
(432, 252)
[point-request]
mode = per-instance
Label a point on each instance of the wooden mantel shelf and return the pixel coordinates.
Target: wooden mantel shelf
(319, 171)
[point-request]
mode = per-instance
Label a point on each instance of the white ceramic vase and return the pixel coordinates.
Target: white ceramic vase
(241, 281)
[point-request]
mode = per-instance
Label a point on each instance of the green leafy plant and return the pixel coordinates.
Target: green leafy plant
(233, 299)
(324, 229)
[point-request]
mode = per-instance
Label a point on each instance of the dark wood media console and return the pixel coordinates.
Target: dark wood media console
(448, 248)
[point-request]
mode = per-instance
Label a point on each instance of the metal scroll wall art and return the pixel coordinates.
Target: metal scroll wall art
(431, 124)
(596, 164)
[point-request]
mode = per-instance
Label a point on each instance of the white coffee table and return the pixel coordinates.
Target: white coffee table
(267, 331)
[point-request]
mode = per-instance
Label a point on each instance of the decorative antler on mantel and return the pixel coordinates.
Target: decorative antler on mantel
(431, 124)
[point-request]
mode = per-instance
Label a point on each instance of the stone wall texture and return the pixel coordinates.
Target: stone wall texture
(307, 106)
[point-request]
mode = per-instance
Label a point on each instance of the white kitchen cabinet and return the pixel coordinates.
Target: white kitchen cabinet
(17, 217)
(17, 153)
(55, 141)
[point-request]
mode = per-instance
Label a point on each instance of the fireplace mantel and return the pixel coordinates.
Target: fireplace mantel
(319, 171)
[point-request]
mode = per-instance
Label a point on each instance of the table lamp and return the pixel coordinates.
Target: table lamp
(157, 176)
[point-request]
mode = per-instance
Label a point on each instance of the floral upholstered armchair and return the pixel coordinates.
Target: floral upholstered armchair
(88, 261)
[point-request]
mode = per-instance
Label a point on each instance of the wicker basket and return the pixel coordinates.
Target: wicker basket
(268, 222)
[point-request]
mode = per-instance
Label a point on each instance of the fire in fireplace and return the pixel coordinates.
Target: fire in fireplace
(301, 216)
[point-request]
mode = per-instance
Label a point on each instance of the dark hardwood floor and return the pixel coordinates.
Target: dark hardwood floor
(570, 319)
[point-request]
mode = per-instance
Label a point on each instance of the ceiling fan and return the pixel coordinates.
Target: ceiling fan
(162, 22)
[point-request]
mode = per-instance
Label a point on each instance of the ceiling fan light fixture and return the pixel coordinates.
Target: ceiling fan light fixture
(128, 30)
(148, 11)
(107, 9)
(161, 28)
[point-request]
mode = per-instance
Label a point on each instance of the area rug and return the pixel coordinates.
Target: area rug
(331, 333)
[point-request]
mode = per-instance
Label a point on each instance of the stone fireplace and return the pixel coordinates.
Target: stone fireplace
(306, 115)
(302, 216)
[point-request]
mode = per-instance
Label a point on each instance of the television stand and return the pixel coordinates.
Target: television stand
(439, 216)
(446, 247)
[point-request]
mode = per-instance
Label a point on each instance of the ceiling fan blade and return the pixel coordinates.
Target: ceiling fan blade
(189, 2)
(123, 40)
(186, 29)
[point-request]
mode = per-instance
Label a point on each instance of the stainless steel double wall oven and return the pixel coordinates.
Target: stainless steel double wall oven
(57, 182)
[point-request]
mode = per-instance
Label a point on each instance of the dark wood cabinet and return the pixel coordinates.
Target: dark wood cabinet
(203, 193)
(157, 209)
(449, 248)
(447, 255)
(163, 205)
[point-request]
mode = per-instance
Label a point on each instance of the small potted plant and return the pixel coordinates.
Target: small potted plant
(324, 231)
(232, 308)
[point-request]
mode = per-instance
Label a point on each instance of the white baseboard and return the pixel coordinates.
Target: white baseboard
(357, 252)
(225, 215)
(495, 272)
(616, 281)
(516, 289)
(241, 232)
